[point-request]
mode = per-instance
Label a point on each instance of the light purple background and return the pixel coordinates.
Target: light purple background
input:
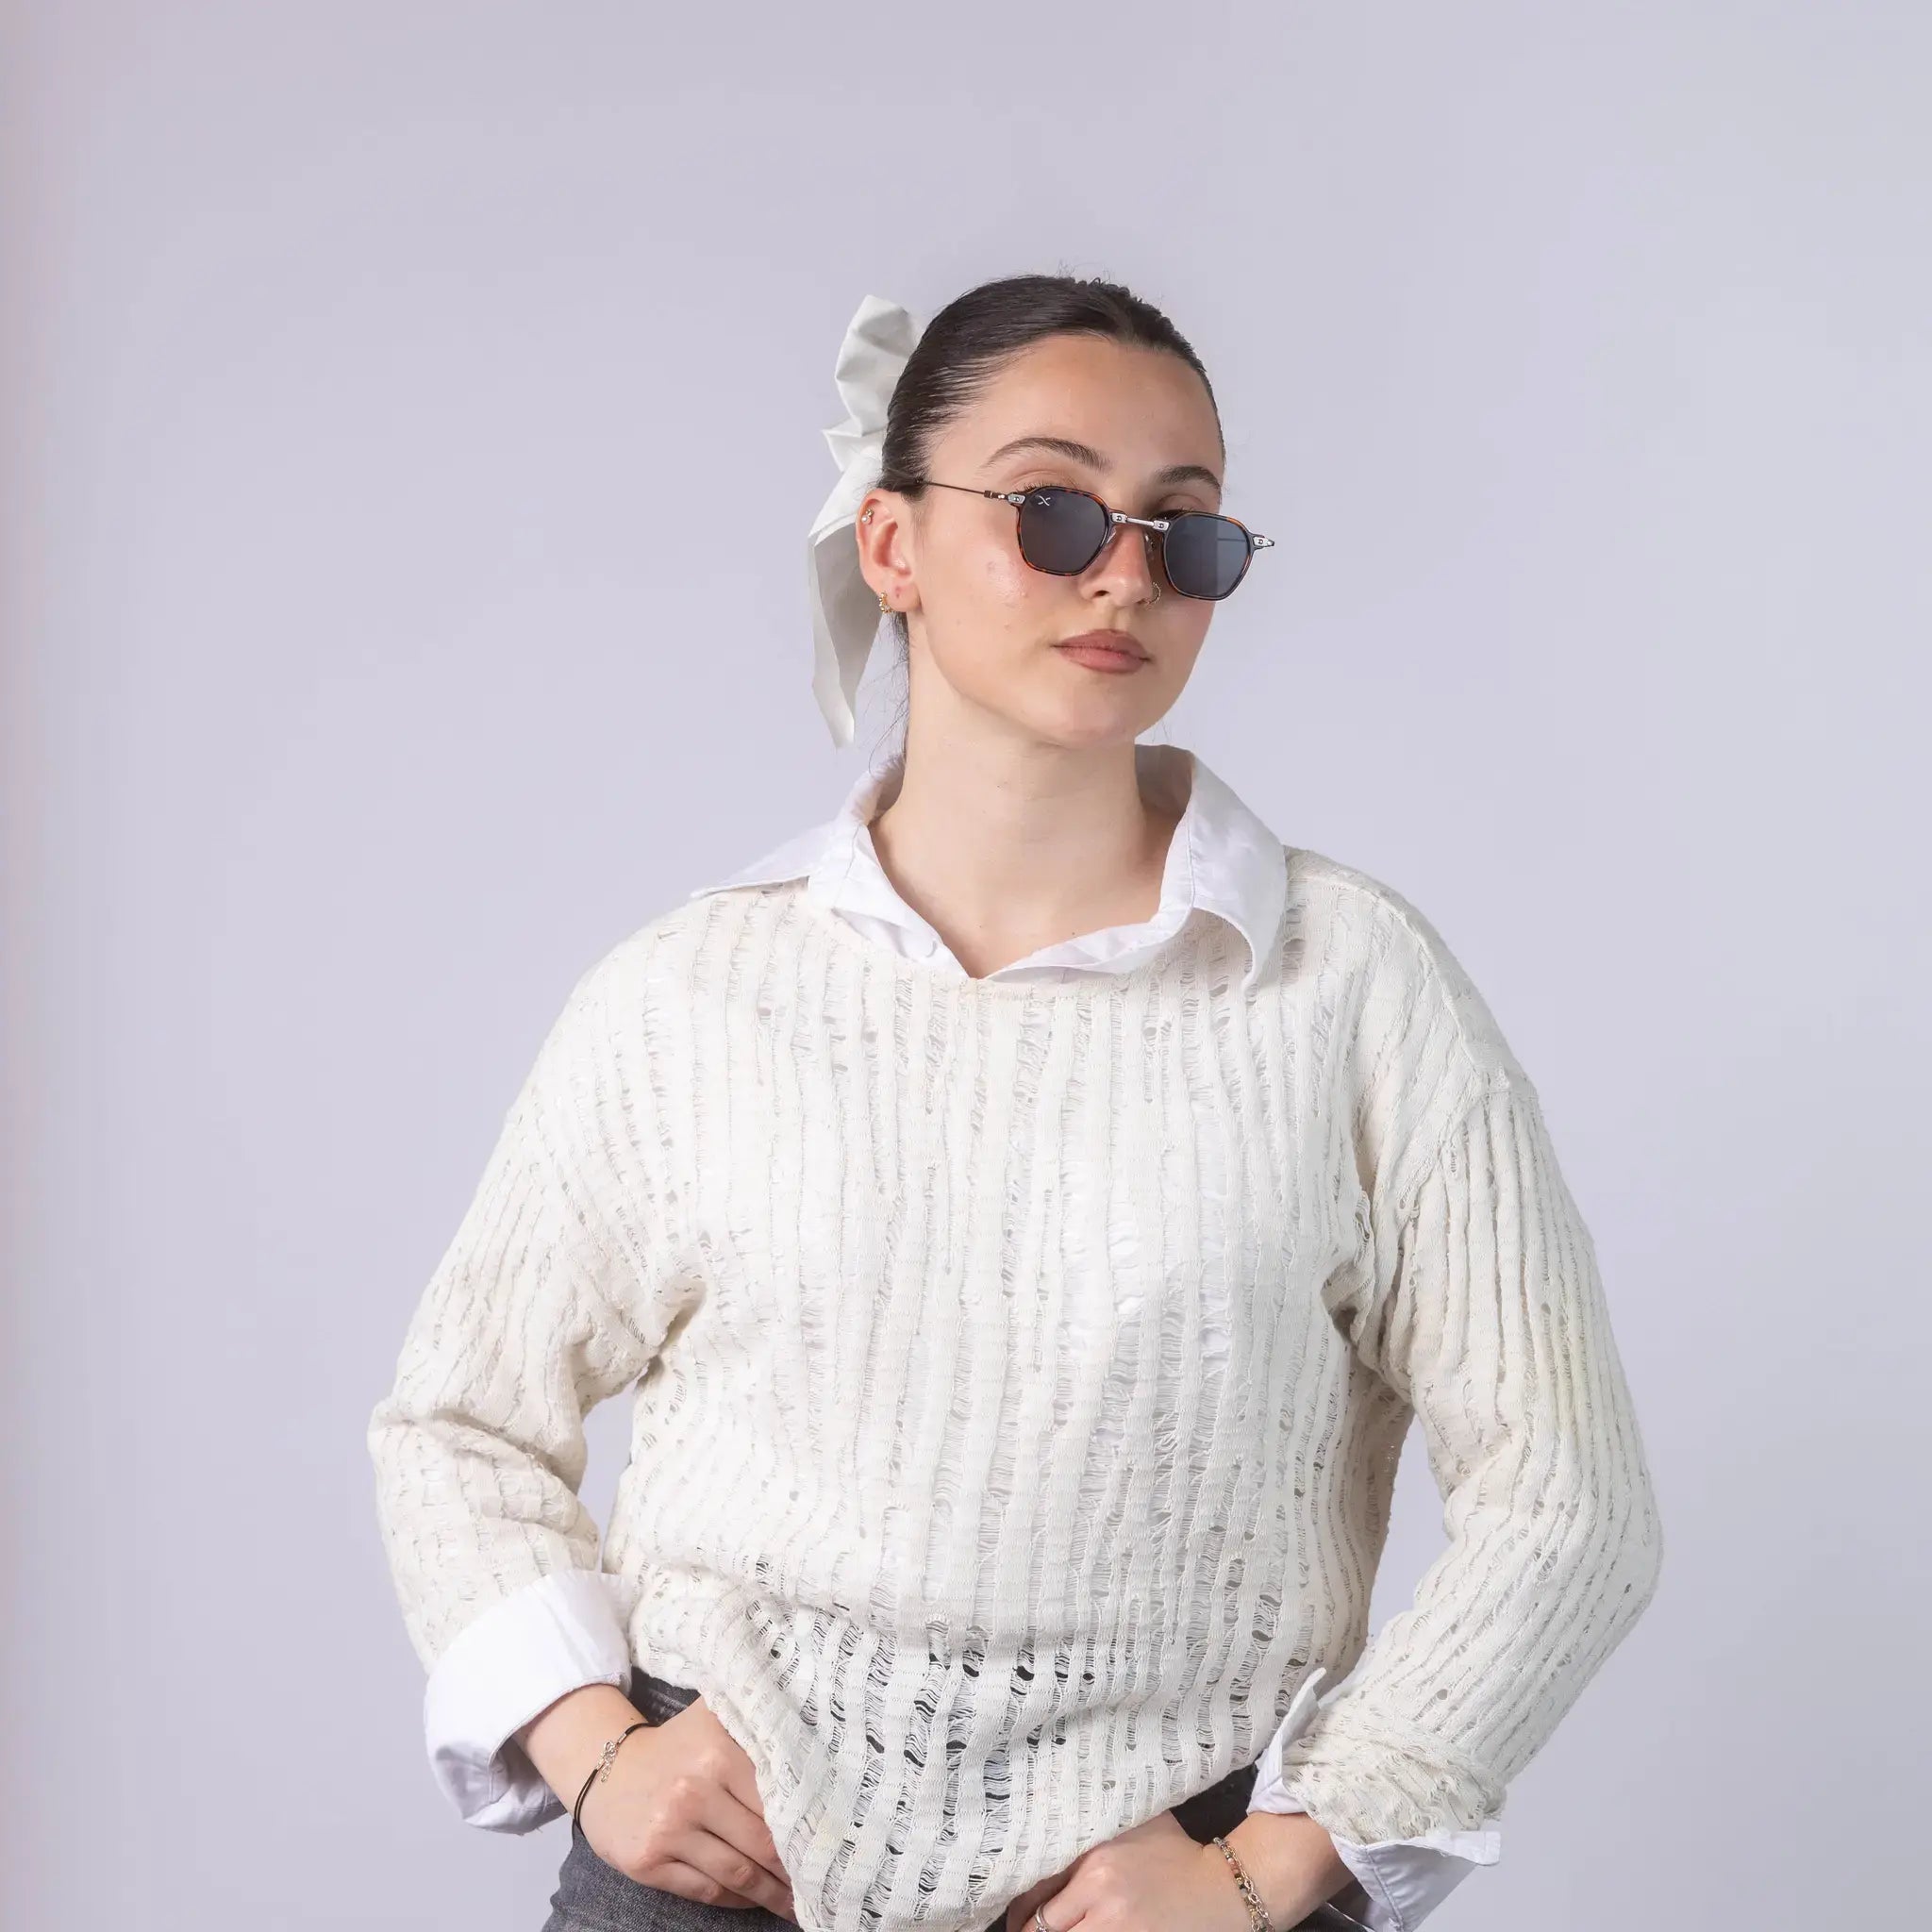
(411, 423)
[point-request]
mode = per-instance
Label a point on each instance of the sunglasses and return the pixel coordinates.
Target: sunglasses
(1062, 530)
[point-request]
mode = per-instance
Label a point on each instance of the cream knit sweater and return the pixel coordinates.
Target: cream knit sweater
(932, 1492)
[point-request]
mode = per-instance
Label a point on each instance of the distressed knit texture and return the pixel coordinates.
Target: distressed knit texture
(934, 1491)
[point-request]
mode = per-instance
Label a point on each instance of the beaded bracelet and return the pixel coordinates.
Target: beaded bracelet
(1327, 1915)
(602, 1769)
(1258, 1912)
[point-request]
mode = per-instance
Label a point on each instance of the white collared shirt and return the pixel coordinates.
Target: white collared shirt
(566, 1631)
(1222, 859)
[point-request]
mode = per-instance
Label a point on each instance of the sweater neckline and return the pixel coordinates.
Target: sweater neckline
(1087, 984)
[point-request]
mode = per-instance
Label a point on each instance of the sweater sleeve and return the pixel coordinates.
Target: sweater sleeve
(1399, 1882)
(552, 1295)
(1483, 1310)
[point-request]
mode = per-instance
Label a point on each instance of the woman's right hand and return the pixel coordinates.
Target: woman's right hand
(680, 1810)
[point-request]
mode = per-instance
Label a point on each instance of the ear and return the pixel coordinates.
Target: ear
(880, 532)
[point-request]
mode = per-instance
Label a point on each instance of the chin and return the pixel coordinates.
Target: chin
(1088, 726)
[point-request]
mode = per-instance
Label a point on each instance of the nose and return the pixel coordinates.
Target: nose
(1126, 566)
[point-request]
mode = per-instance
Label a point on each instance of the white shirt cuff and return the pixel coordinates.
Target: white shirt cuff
(1404, 1878)
(503, 1668)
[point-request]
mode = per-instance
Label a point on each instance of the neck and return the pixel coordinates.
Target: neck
(1007, 848)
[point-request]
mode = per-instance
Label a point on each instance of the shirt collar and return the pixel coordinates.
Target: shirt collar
(1223, 859)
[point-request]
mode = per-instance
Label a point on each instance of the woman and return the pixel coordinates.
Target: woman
(1029, 1210)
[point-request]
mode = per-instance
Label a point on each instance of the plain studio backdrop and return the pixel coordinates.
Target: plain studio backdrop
(412, 425)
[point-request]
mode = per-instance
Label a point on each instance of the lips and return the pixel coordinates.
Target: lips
(1105, 641)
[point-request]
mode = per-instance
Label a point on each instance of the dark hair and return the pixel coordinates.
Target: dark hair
(965, 345)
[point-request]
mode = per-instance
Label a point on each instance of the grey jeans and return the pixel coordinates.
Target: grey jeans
(591, 1896)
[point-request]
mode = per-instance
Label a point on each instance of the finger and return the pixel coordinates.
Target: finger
(744, 1832)
(1061, 1917)
(744, 1824)
(737, 1872)
(1021, 1919)
(1020, 1914)
(687, 1881)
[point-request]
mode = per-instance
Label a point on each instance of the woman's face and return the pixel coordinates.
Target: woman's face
(984, 625)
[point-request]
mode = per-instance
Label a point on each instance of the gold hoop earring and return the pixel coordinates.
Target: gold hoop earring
(883, 605)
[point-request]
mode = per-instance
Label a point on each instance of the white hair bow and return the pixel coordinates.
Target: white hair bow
(845, 613)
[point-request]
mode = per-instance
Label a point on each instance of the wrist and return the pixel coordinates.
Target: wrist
(1231, 1900)
(566, 1739)
(1290, 1862)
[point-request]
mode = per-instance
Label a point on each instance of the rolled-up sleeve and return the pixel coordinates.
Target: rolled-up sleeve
(1401, 1880)
(554, 1294)
(1485, 1311)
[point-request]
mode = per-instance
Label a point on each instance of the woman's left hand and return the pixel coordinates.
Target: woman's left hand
(1149, 1879)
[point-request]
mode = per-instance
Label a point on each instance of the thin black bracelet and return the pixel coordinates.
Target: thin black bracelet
(602, 1765)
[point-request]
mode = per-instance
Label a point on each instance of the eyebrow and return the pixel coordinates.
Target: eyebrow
(1086, 453)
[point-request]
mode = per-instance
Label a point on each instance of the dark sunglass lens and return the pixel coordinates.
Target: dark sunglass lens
(1206, 556)
(1060, 530)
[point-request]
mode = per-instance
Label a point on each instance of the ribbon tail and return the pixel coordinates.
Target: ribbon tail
(845, 620)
